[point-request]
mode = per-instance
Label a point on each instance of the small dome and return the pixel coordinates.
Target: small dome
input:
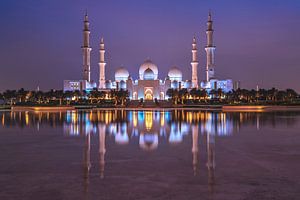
(188, 84)
(148, 64)
(123, 84)
(121, 74)
(175, 84)
(108, 84)
(175, 74)
(149, 74)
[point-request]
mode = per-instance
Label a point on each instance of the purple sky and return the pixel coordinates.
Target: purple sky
(258, 42)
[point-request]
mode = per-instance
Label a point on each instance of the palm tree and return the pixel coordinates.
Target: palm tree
(67, 96)
(173, 94)
(59, 94)
(213, 93)
(202, 94)
(10, 96)
(21, 95)
(193, 93)
(123, 95)
(183, 94)
(291, 94)
(220, 93)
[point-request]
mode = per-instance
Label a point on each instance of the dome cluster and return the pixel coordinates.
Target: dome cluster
(148, 71)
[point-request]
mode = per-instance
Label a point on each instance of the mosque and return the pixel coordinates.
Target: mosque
(149, 86)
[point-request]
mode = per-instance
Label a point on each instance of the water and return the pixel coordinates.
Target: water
(149, 155)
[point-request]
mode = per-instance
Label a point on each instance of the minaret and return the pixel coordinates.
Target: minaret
(210, 50)
(102, 64)
(194, 64)
(86, 50)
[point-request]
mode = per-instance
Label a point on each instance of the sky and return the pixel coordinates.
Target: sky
(257, 41)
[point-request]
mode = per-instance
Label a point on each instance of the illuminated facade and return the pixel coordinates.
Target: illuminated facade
(148, 86)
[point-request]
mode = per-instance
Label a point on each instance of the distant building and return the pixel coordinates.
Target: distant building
(73, 85)
(148, 86)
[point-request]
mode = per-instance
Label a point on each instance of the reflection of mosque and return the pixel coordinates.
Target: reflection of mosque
(79, 123)
(142, 125)
(149, 126)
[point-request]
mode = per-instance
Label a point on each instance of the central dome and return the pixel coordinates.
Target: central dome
(148, 64)
(148, 74)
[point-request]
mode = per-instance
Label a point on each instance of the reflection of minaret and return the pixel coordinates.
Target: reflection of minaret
(102, 64)
(195, 149)
(102, 149)
(211, 160)
(86, 50)
(210, 50)
(257, 122)
(87, 160)
(194, 64)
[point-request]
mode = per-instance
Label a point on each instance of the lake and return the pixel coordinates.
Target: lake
(174, 154)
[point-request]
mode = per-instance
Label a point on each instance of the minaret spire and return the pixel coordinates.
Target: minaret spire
(194, 64)
(102, 64)
(210, 50)
(86, 49)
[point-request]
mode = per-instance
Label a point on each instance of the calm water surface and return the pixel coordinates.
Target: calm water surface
(149, 155)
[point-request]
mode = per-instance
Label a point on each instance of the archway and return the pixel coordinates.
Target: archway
(162, 96)
(148, 94)
(135, 97)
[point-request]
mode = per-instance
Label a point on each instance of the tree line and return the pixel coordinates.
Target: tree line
(177, 96)
(59, 97)
(239, 96)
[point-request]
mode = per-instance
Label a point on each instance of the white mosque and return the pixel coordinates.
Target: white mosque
(148, 86)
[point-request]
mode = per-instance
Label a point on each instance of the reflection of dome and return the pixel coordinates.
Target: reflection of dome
(175, 74)
(175, 137)
(121, 74)
(148, 74)
(122, 138)
(148, 64)
(148, 141)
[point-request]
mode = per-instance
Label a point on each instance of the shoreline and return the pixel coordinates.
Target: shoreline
(219, 108)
